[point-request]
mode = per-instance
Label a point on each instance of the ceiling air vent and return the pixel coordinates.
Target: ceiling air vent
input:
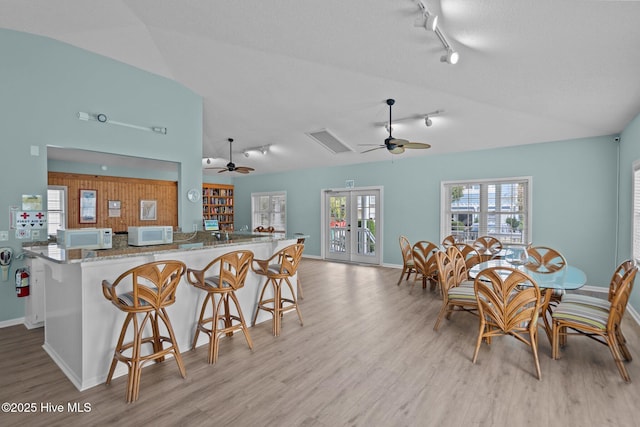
(330, 142)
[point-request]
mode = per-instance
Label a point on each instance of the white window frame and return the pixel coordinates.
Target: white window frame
(483, 211)
(635, 214)
(269, 213)
(62, 211)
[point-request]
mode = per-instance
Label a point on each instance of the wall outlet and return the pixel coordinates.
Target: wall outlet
(4, 236)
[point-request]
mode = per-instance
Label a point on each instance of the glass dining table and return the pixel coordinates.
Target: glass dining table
(552, 285)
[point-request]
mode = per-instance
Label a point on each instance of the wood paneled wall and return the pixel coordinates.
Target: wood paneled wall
(129, 191)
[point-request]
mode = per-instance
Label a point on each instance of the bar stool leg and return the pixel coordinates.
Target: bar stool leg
(200, 320)
(295, 301)
(244, 328)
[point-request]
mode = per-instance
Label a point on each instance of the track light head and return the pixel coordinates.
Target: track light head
(451, 57)
(246, 153)
(427, 121)
(431, 22)
(264, 150)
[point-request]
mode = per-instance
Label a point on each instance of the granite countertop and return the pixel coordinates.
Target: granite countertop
(182, 242)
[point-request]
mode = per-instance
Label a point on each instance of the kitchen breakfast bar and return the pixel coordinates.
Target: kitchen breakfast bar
(82, 327)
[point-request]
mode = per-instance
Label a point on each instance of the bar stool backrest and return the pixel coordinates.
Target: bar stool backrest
(234, 267)
(153, 285)
(288, 260)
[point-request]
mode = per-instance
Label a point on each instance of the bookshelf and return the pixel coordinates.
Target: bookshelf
(217, 203)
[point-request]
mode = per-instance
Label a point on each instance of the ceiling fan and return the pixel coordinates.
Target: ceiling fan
(231, 167)
(394, 145)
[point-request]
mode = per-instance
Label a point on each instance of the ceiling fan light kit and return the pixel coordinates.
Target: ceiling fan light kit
(231, 167)
(395, 145)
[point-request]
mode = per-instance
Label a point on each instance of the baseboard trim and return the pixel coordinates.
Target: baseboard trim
(12, 322)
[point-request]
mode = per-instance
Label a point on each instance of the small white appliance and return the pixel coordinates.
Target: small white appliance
(150, 235)
(85, 238)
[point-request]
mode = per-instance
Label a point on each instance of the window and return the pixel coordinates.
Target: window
(56, 209)
(498, 208)
(269, 210)
(636, 211)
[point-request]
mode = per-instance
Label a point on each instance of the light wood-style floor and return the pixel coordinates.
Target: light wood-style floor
(367, 355)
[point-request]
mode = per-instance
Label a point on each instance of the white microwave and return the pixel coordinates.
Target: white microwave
(150, 235)
(84, 238)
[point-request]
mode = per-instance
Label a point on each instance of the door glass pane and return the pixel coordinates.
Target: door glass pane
(337, 224)
(366, 212)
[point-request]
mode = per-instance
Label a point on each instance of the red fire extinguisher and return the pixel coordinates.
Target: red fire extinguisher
(22, 282)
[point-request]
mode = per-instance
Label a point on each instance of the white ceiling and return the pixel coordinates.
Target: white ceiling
(270, 71)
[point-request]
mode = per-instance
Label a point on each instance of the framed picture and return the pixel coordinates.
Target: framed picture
(88, 202)
(148, 210)
(114, 208)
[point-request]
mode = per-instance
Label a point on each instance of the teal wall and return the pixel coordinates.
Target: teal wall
(43, 86)
(629, 152)
(574, 198)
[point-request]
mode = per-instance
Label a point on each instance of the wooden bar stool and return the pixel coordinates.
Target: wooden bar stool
(150, 289)
(299, 285)
(228, 273)
(278, 270)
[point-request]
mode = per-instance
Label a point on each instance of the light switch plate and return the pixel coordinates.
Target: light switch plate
(35, 234)
(4, 236)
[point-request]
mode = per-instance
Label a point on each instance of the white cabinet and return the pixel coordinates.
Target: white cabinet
(34, 303)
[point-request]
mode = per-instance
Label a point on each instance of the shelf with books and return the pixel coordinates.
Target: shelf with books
(217, 203)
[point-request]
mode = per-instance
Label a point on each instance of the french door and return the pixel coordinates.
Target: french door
(352, 225)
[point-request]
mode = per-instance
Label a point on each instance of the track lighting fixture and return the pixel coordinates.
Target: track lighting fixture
(451, 57)
(427, 117)
(102, 118)
(264, 149)
(430, 22)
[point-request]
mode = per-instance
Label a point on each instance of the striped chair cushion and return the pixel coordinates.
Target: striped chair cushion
(582, 314)
(594, 302)
(127, 298)
(463, 293)
(275, 269)
(467, 283)
(212, 281)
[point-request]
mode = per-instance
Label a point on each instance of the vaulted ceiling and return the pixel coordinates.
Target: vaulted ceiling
(271, 71)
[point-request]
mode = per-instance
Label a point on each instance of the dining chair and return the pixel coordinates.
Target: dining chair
(543, 259)
(450, 240)
(603, 326)
(408, 265)
(508, 304)
(423, 254)
(487, 246)
(614, 283)
(470, 254)
(457, 291)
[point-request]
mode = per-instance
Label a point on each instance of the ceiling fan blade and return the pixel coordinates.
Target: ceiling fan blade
(223, 170)
(244, 169)
(398, 142)
(371, 149)
(419, 145)
(215, 167)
